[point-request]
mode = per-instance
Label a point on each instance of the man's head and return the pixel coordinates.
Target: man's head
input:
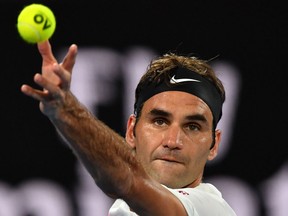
(173, 131)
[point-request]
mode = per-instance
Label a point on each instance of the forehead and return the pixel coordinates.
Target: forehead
(177, 102)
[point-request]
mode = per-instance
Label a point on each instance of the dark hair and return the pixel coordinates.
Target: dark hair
(159, 69)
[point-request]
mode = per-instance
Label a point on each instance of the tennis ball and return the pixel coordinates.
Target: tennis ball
(36, 23)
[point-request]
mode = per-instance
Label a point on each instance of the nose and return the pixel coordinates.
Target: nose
(173, 137)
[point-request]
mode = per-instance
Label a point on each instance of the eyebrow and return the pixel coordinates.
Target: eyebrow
(159, 112)
(197, 117)
(163, 113)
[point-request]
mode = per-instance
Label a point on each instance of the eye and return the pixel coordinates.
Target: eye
(193, 127)
(159, 121)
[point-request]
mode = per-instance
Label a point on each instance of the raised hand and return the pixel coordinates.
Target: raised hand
(55, 78)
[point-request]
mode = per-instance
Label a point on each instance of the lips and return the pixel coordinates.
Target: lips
(169, 158)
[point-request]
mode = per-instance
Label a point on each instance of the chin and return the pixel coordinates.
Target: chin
(167, 181)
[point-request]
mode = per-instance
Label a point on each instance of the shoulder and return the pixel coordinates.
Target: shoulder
(205, 199)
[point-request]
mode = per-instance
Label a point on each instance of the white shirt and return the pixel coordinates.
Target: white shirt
(203, 200)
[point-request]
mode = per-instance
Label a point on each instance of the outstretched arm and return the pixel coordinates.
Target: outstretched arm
(90, 139)
(104, 153)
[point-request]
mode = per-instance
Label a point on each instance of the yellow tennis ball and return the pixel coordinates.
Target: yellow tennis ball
(36, 23)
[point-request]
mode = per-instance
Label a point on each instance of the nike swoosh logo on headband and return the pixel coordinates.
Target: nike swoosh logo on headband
(173, 80)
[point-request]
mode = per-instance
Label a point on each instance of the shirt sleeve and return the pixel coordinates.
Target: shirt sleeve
(120, 208)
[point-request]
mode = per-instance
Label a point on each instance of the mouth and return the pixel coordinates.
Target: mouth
(169, 159)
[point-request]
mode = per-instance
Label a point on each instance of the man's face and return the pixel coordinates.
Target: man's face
(173, 138)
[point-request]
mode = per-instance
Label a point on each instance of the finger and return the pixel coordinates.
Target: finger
(70, 58)
(45, 51)
(34, 93)
(64, 75)
(50, 89)
(49, 92)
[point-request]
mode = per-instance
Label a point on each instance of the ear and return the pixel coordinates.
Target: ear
(130, 136)
(214, 151)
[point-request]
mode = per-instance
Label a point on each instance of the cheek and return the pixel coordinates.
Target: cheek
(146, 141)
(205, 140)
(200, 148)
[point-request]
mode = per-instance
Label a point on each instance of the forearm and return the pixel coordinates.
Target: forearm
(103, 152)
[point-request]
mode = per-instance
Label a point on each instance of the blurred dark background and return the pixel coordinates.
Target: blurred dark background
(252, 35)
